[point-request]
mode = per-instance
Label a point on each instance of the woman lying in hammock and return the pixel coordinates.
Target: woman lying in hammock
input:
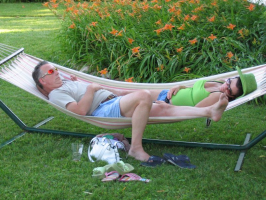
(205, 93)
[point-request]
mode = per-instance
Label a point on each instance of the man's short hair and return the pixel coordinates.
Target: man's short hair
(36, 74)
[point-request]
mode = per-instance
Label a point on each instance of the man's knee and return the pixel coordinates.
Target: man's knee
(144, 95)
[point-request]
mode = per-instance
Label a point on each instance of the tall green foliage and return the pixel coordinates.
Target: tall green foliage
(163, 40)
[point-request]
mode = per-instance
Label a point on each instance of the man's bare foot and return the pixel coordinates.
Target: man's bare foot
(218, 108)
(138, 154)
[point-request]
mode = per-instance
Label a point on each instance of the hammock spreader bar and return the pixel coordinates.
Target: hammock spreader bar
(11, 56)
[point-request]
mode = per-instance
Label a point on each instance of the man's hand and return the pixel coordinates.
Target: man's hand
(73, 78)
(95, 87)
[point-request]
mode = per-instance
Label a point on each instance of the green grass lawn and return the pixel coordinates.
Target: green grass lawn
(40, 166)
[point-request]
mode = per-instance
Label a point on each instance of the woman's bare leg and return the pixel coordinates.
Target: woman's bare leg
(186, 112)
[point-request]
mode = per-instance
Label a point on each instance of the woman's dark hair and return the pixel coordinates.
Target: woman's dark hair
(239, 91)
(36, 74)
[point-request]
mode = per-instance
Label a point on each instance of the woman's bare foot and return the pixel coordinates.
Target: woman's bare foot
(138, 153)
(218, 108)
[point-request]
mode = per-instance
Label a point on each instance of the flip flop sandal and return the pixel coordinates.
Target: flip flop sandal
(179, 157)
(122, 168)
(133, 177)
(153, 161)
(111, 176)
(181, 161)
(99, 172)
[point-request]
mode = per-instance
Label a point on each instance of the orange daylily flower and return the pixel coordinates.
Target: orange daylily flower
(194, 41)
(186, 69)
(160, 68)
(46, 4)
(93, 23)
(212, 37)
(194, 17)
(179, 50)
(53, 1)
(72, 26)
(157, 7)
(55, 6)
(172, 9)
(158, 31)
(154, 1)
(75, 12)
(85, 5)
(186, 18)
(159, 22)
(182, 27)
(229, 55)
(212, 19)
(135, 50)
(130, 80)
(168, 27)
(145, 7)
(231, 26)
(119, 34)
(241, 33)
(198, 9)
(251, 7)
(130, 40)
(104, 38)
(104, 71)
(114, 32)
(178, 12)
(214, 3)
(167, 0)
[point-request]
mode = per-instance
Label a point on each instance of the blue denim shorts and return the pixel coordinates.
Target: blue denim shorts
(109, 108)
(162, 95)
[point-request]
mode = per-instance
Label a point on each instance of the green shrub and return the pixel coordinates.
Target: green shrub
(162, 40)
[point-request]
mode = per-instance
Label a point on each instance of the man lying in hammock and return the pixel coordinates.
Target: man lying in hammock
(92, 99)
(205, 93)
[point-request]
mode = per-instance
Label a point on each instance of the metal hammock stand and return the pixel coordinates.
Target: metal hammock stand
(35, 129)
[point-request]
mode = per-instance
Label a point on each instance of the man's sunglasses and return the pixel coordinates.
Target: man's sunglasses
(50, 72)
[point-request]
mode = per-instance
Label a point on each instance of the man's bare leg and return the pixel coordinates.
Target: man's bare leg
(137, 106)
(186, 112)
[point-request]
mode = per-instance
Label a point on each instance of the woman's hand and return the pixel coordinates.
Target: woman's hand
(174, 91)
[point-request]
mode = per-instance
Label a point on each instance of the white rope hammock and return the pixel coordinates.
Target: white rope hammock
(18, 72)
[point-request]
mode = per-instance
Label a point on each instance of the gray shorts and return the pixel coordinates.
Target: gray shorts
(109, 108)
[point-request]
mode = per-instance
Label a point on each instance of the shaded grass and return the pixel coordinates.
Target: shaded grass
(39, 166)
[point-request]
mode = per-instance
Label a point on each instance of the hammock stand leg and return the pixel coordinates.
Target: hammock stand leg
(23, 133)
(243, 147)
(242, 155)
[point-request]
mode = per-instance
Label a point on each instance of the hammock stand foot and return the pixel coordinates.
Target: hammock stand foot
(23, 133)
(242, 155)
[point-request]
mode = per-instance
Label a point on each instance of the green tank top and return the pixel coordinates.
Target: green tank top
(191, 96)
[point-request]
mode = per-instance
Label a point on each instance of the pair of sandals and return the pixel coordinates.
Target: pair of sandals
(119, 167)
(181, 161)
(118, 171)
